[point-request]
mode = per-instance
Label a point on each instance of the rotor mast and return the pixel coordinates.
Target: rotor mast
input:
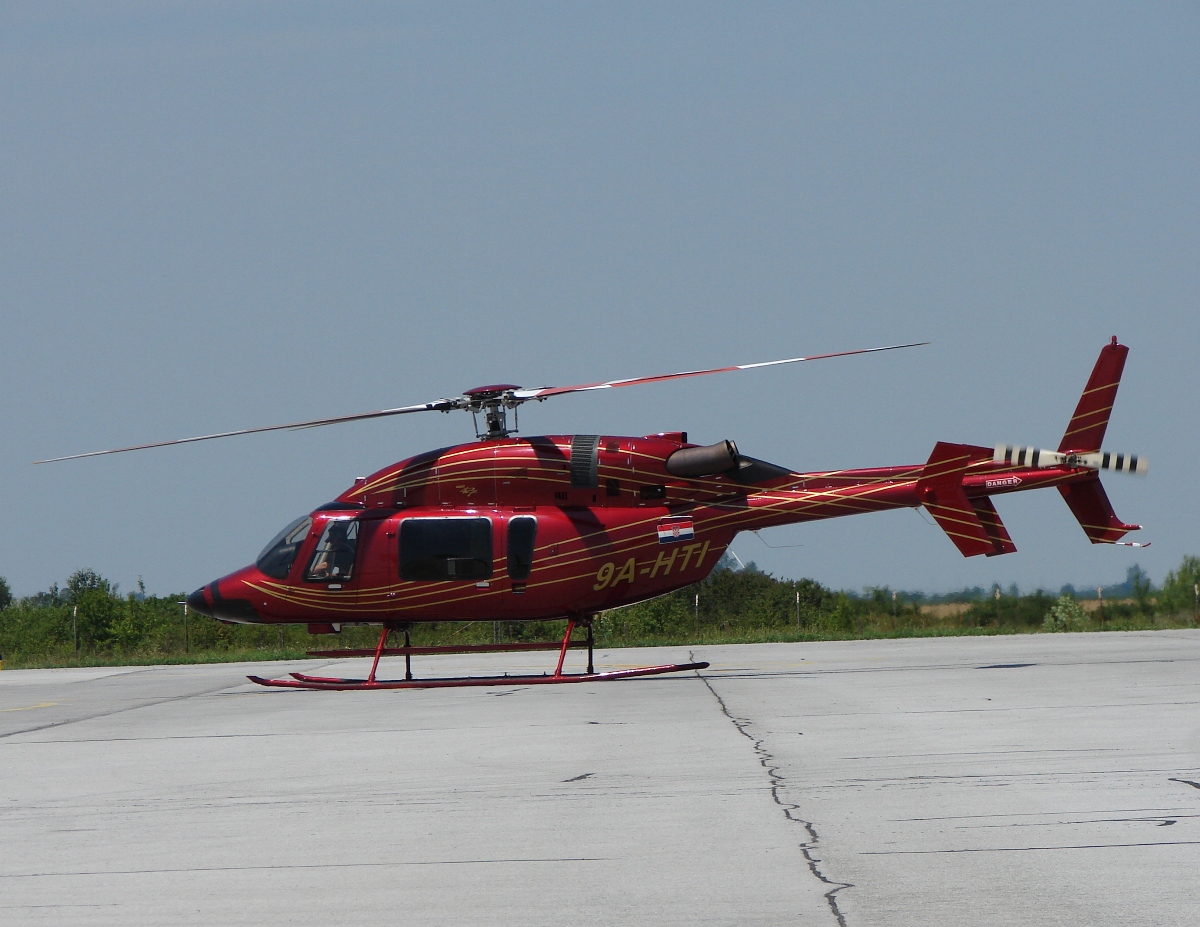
(494, 402)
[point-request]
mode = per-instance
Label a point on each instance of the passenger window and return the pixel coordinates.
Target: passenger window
(277, 557)
(522, 533)
(333, 559)
(433, 549)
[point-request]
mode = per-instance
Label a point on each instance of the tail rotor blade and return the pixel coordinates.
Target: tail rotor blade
(1117, 463)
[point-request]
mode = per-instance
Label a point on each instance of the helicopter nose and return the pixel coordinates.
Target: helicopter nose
(196, 603)
(210, 602)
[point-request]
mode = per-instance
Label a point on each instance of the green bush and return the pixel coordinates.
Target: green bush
(1066, 615)
(1179, 590)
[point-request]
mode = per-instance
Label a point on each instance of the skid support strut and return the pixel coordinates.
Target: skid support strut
(380, 650)
(302, 681)
(562, 653)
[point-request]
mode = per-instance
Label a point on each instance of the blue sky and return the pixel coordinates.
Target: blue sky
(221, 215)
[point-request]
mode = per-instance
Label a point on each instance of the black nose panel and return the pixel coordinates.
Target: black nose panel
(196, 603)
(231, 611)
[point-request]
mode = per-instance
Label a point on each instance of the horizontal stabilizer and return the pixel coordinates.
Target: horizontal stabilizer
(1089, 504)
(972, 525)
(996, 532)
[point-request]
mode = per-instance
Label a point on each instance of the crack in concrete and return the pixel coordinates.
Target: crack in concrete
(790, 811)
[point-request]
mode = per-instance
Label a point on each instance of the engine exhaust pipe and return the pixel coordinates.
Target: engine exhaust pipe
(703, 461)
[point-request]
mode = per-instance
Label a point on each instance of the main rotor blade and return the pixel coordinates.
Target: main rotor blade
(447, 405)
(441, 405)
(546, 392)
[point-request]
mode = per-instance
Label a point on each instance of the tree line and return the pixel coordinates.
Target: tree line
(88, 620)
(749, 605)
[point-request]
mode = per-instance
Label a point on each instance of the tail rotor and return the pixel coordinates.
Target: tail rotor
(1023, 456)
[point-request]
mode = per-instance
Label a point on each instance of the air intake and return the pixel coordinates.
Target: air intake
(585, 461)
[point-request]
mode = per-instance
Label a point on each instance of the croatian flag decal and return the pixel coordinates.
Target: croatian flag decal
(671, 530)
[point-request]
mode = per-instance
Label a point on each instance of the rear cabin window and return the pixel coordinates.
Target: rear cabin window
(433, 549)
(277, 557)
(333, 559)
(522, 533)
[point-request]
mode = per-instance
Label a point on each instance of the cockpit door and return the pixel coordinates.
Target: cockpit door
(332, 567)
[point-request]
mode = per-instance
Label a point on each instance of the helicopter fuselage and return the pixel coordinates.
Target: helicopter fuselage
(550, 527)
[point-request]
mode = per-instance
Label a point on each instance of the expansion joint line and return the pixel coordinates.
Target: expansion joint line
(790, 811)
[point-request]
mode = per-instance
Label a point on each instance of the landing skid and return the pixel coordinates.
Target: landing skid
(334, 683)
(301, 681)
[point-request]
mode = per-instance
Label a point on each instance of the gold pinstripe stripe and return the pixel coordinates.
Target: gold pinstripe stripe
(1095, 389)
(1071, 431)
(1092, 414)
(941, 513)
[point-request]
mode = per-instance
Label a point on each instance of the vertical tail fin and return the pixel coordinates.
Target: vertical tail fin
(1088, 424)
(1087, 500)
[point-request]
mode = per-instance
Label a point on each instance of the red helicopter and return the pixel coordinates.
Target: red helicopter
(567, 526)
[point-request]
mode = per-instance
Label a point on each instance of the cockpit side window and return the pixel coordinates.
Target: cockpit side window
(333, 559)
(277, 557)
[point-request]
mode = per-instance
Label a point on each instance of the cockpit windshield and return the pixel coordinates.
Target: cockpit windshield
(277, 557)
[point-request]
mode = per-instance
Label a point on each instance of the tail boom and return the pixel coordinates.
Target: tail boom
(956, 483)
